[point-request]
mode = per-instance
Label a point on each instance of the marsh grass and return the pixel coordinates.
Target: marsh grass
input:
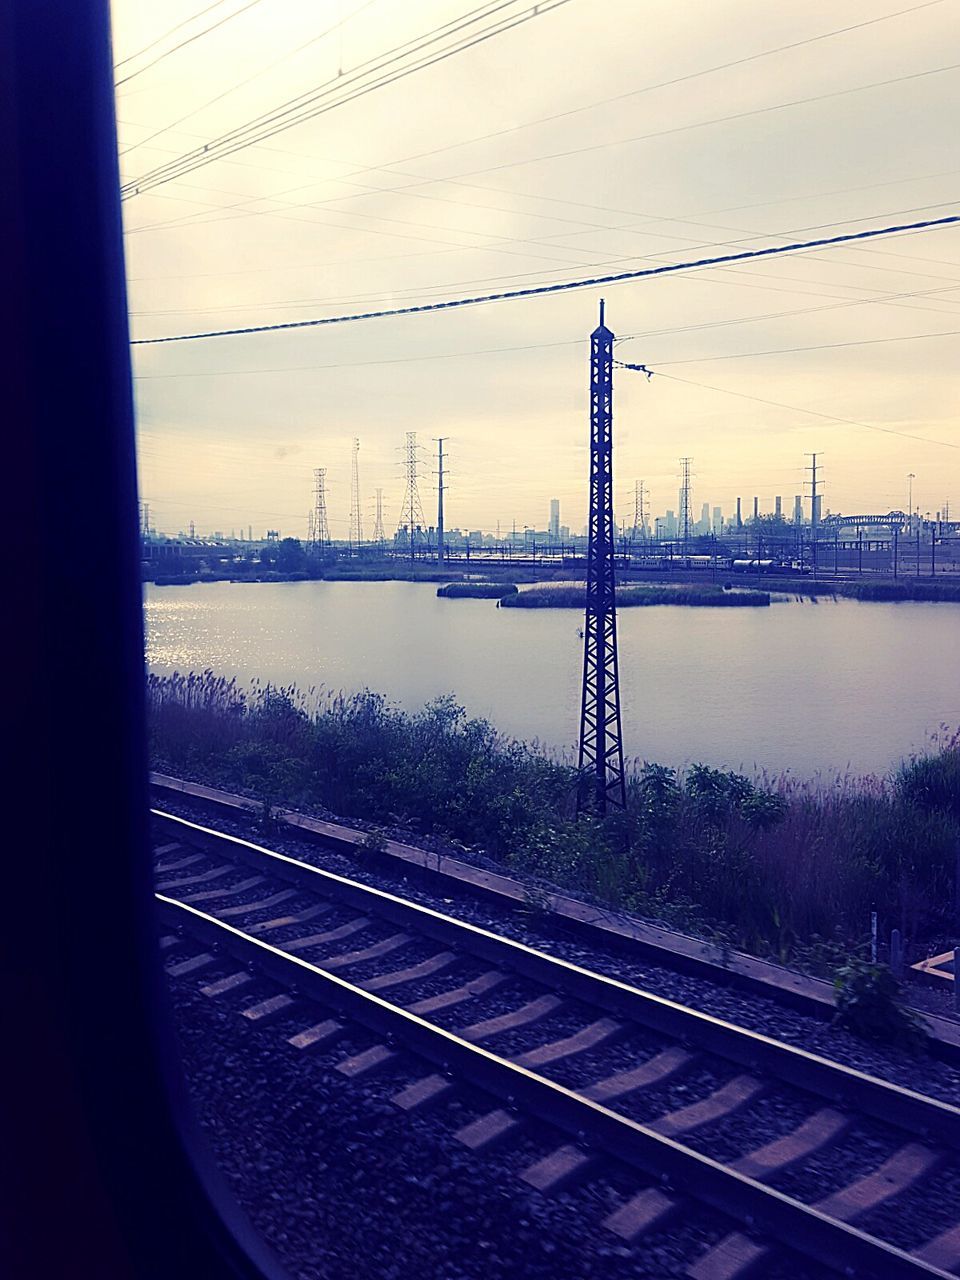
(558, 597)
(779, 867)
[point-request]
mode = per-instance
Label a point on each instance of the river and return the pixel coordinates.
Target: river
(801, 687)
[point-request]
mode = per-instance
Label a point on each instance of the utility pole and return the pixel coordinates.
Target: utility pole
(356, 524)
(910, 479)
(601, 744)
(440, 489)
(814, 503)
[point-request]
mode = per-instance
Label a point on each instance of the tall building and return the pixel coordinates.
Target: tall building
(798, 508)
(778, 507)
(554, 526)
(717, 521)
(703, 525)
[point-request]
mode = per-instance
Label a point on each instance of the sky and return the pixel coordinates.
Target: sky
(581, 141)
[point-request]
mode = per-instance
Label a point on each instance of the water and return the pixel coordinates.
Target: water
(800, 686)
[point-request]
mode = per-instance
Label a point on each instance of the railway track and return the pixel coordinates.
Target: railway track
(793, 1149)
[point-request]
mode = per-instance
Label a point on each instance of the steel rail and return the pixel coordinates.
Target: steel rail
(759, 1208)
(842, 1085)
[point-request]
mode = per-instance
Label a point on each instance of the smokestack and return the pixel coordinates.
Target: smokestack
(756, 508)
(778, 507)
(739, 516)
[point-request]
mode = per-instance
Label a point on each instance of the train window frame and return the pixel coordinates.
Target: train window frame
(105, 1170)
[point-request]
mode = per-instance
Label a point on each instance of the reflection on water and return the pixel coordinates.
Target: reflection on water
(804, 687)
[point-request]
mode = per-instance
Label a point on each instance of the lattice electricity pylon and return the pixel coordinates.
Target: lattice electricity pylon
(321, 533)
(356, 522)
(379, 536)
(411, 524)
(602, 781)
(686, 518)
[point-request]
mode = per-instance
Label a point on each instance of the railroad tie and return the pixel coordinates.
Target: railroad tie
(894, 1176)
(230, 983)
(372, 1059)
(298, 917)
(189, 966)
(655, 1070)
(734, 1258)
(162, 850)
(169, 940)
(283, 896)
(644, 1211)
(200, 878)
(162, 868)
(208, 895)
(737, 1255)
(525, 1016)
(414, 973)
(373, 952)
(558, 1169)
(720, 1104)
(495, 1125)
(331, 935)
(320, 1033)
(590, 1037)
(447, 999)
(270, 1008)
(816, 1132)
(487, 1129)
(943, 1251)
(422, 1093)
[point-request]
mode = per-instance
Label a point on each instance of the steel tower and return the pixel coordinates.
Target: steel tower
(378, 535)
(412, 523)
(602, 780)
(686, 520)
(321, 533)
(356, 523)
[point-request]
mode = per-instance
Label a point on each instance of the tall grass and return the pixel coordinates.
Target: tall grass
(780, 867)
(575, 597)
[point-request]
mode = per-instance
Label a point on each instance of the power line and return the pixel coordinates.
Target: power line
(820, 346)
(240, 84)
(829, 417)
(167, 34)
(308, 106)
(664, 84)
(565, 286)
(198, 35)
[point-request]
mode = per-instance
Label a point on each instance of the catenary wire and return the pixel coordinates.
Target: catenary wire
(308, 106)
(197, 35)
(566, 286)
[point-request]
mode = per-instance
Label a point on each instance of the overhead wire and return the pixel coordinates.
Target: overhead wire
(198, 35)
(564, 286)
(779, 404)
(308, 106)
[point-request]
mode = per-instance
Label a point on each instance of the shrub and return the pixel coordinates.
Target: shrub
(869, 1004)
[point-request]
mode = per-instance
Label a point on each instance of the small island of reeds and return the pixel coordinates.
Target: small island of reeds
(574, 597)
(477, 590)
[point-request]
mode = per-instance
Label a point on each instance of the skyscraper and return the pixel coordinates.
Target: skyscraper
(554, 525)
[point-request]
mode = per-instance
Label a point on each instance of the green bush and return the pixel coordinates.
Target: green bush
(869, 1004)
(778, 868)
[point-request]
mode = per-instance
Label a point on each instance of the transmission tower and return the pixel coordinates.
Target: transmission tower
(312, 527)
(685, 517)
(601, 746)
(145, 519)
(440, 491)
(379, 536)
(639, 510)
(411, 513)
(321, 533)
(356, 522)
